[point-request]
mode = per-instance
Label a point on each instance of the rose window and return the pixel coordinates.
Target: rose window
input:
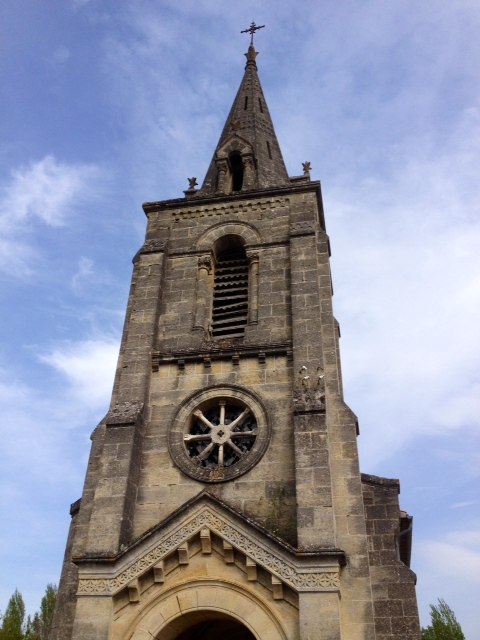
(221, 435)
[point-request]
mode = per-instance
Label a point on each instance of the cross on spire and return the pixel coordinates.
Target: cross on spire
(253, 27)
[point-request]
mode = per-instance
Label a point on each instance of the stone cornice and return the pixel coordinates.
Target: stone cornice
(216, 351)
(107, 575)
(198, 200)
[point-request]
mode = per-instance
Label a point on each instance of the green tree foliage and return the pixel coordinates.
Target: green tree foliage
(13, 619)
(444, 625)
(14, 626)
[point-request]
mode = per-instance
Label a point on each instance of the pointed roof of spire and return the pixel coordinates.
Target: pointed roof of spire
(249, 131)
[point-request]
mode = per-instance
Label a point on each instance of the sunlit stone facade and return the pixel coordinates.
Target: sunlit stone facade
(223, 496)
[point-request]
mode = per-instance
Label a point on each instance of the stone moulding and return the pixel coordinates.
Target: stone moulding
(321, 575)
(222, 350)
(222, 209)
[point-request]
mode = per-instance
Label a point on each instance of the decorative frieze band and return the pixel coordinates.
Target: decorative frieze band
(307, 580)
(222, 209)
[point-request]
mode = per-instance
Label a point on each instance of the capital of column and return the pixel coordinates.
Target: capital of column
(205, 262)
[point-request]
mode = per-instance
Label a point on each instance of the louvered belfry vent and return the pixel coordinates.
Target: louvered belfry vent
(230, 296)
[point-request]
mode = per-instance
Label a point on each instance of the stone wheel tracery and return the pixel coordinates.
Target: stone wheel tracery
(220, 436)
(219, 433)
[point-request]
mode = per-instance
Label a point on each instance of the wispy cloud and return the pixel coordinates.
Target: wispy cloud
(86, 369)
(449, 565)
(84, 274)
(461, 505)
(59, 56)
(82, 382)
(44, 192)
(408, 288)
(45, 443)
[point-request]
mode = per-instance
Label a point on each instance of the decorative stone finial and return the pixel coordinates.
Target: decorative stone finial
(192, 183)
(306, 168)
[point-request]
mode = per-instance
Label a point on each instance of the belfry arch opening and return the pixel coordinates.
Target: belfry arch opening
(206, 625)
(236, 167)
(230, 288)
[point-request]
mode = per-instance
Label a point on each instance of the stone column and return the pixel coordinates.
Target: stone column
(222, 168)
(253, 262)
(202, 294)
(248, 173)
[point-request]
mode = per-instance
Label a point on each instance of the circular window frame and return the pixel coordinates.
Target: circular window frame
(181, 426)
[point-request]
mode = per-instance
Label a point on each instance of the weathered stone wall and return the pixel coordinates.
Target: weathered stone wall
(393, 583)
(304, 485)
(163, 487)
(266, 493)
(66, 602)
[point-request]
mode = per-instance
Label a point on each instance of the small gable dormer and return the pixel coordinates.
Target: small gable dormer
(235, 165)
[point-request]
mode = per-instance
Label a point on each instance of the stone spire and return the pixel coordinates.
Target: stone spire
(248, 155)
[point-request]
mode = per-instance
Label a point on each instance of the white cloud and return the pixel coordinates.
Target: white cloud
(87, 367)
(407, 285)
(461, 505)
(78, 4)
(46, 189)
(59, 56)
(46, 192)
(44, 433)
(45, 428)
(448, 567)
(84, 273)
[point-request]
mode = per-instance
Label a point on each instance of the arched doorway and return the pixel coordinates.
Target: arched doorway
(209, 609)
(205, 625)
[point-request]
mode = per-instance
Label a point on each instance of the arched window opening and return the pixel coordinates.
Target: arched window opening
(230, 289)
(236, 165)
(246, 103)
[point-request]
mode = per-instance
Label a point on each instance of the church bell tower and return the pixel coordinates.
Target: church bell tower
(223, 496)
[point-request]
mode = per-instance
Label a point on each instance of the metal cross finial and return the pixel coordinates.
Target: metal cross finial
(252, 29)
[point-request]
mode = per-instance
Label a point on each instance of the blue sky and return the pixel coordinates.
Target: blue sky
(109, 104)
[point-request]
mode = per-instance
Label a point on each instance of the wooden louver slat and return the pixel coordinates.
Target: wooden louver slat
(230, 298)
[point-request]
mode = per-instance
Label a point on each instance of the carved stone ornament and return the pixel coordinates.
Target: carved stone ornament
(219, 434)
(205, 262)
(222, 166)
(153, 246)
(124, 413)
(305, 399)
(309, 577)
